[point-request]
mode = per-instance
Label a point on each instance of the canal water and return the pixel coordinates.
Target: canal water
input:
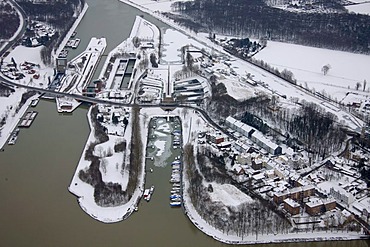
(36, 208)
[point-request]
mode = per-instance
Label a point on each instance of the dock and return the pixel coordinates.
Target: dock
(27, 120)
(13, 137)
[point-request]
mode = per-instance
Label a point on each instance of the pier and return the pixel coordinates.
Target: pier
(27, 120)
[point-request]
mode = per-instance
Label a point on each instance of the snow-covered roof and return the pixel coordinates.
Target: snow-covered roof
(261, 137)
(291, 203)
(314, 202)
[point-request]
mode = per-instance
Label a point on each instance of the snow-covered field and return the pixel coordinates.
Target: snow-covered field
(229, 195)
(173, 40)
(22, 54)
(306, 63)
(363, 8)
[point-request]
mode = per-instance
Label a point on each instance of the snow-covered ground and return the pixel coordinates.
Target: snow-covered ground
(173, 41)
(363, 8)
(22, 54)
(306, 63)
(229, 195)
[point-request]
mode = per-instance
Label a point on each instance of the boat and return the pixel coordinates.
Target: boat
(175, 191)
(151, 189)
(34, 102)
(174, 196)
(63, 53)
(73, 34)
(147, 194)
(13, 137)
(176, 162)
(175, 180)
(176, 167)
(175, 204)
(76, 43)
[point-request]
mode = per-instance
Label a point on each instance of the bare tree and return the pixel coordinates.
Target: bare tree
(364, 85)
(325, 69)
(358, 85)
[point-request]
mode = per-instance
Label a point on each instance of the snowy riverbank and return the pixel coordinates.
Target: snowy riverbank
(85, 192)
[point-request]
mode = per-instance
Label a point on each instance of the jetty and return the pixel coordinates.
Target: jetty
(27, 120)
(13, 137)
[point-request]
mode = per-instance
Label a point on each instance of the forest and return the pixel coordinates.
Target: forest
(9, 20)
(254, 18)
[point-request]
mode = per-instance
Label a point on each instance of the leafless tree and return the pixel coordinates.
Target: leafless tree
(325, 69)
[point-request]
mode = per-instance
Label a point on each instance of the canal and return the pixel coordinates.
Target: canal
(36, 207)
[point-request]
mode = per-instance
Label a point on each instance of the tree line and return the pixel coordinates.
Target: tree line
(254, 18)
(9, 20)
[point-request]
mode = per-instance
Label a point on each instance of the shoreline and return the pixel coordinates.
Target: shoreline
(61, 46)
(15, 120)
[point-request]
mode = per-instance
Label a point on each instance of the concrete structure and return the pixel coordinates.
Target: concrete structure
(61, 64)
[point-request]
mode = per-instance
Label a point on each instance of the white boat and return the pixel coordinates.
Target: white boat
(175, 204)
(76, 43)
(174, 196)
(151, 189)
(34, 102)
(147, 194)
(13, 137)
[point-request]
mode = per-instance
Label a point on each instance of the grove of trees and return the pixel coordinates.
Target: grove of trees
(9, 20)
(254, 18)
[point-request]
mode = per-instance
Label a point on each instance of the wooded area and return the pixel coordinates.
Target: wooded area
(254, 18)
(9, 20)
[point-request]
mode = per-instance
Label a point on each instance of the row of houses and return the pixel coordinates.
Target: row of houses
(315, 206)
(297, 193)
(253, 134)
